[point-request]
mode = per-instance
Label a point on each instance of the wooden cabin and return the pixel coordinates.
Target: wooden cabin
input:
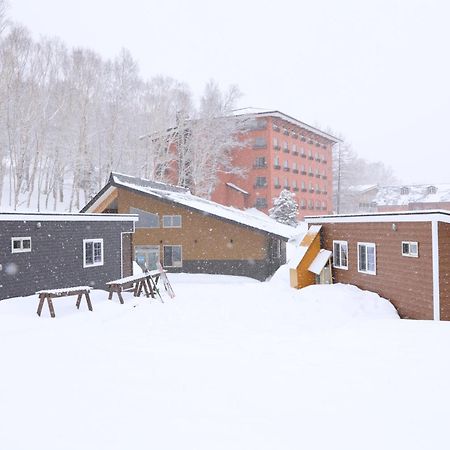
(190, 234)
(402, 256)
(59, 250)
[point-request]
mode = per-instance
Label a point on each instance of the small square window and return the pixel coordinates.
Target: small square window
(20, 244)
(172, 221)
(173, 256)
(410, 249)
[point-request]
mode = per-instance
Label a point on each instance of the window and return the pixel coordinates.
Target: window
(20, 244)
(146, 219)
(172, 256)
(431, 190)
(340, 254)
(286, 164)
(260, 202)
(410, 249)
(275, 144)
(261, 182)
(260, 162)
(286, 183)
(260, 142)
(404, 190)
(92, 252)
(367, 258)
(277, 182)
(172, 221)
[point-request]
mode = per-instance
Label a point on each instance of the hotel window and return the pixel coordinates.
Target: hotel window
(172, 221)
(260, 162)
(367, 258)
(410, 249)
(286, 164)
(275, 143)
(276, 182)
(260, 202)
(276, 161)
(303, 186)
(92, 252)
(294, 166)
(20, 244)
(340, 254)
(173, 256)
(260, 142)
(294, 184)
(294, 148)
(286, 183)
(261, 182)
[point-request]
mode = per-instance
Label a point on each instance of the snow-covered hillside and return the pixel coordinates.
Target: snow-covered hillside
(230, 363)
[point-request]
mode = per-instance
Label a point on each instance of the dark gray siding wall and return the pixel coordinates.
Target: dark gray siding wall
(56, 257)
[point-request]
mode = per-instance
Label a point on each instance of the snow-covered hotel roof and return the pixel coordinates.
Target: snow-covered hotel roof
(254, 112)
(181, 196)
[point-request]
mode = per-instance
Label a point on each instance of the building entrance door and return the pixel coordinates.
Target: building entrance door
(147, 256)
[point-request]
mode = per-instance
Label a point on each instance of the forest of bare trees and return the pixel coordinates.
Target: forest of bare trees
(68, 117)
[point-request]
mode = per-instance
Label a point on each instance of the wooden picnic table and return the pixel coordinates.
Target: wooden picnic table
(144, 282)
(49, 294)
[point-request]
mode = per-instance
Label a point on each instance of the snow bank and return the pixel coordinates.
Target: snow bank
(335, 302)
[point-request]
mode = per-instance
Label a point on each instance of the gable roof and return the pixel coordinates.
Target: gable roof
(182, 197)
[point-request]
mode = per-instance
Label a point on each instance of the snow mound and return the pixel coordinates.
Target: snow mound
(333, 302)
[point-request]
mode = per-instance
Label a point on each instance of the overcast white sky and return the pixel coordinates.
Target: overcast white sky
(376, 71)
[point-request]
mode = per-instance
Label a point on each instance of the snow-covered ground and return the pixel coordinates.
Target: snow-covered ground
(230, 363)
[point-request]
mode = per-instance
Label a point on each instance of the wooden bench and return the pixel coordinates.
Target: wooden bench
(144, 282)
(65, 292)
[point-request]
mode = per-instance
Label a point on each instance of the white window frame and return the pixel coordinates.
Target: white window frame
(94, 264)
(181, 255)
(411, 254)
(21, 249)
(171, 221)
(368, 244)
(341, 243)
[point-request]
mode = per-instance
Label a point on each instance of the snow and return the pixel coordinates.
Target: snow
(250, 217)
(298, 254)
(319, 261)
(65, 290)
(392, 195)
(237, 188)
(231, 363)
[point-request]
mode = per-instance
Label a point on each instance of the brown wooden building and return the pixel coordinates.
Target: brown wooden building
(403, 256)
(190, 234)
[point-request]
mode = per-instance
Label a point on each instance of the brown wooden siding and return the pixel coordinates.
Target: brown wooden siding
(444, 269)
(202, 237)
(407, 282)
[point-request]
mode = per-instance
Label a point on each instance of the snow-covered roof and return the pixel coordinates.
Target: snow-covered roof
(304, 245)
(65, 217)
(406, 194)
(440, 215)
(252, 218)
(237, 188)
(361, 188)
(320, 261)
(258, 112)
